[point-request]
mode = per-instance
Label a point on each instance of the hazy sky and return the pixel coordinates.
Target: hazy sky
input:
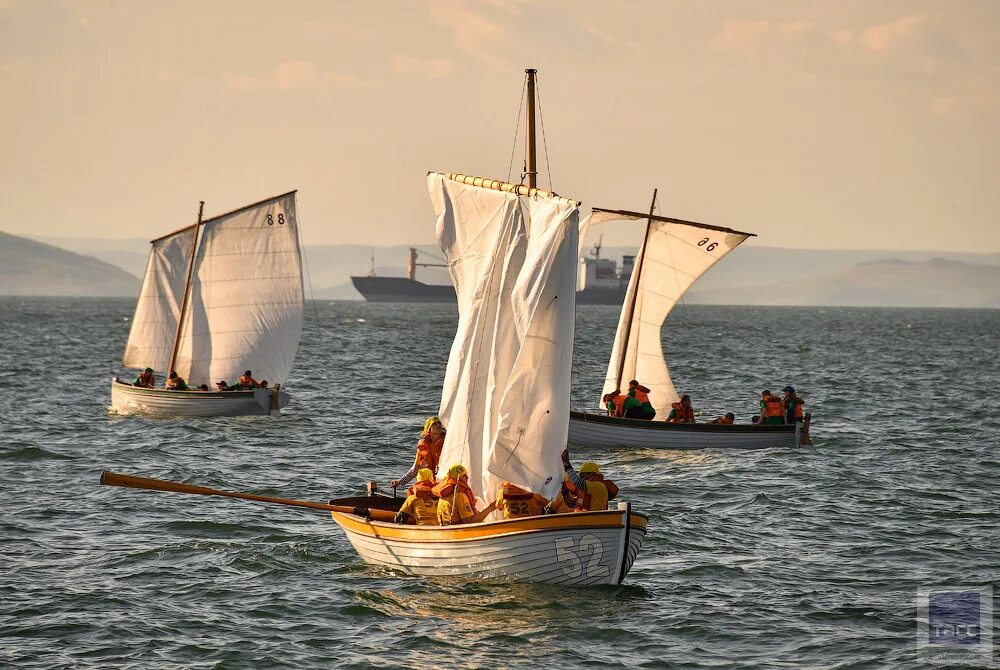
(813, 124)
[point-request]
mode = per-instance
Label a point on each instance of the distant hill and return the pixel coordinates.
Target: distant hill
(891, 282)
(32, 268)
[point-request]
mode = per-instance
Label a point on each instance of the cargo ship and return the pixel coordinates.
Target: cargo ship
(602, 282)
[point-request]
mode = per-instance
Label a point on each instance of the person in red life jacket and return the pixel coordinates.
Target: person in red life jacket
(772, 412)
(560, 504)
(428, 451)
(725, 420)
(516, 502)
(146, 379)
(641, 394)
(457, 502)
(421, 505)
(592, 490)
(681, 411)
(246, 382)
(792, 405)
(615, 401)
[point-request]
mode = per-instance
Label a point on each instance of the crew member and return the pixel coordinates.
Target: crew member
(726, 419)
(681, 411)
(246, 382)
(175, 382)
(614, 401)
(641, 393)
(559, 505)
(592, 490)
(428, 451)
(772, 413)
(421, 505)
(146, 379)
(515, 502)
(457, 502)
(792, 405)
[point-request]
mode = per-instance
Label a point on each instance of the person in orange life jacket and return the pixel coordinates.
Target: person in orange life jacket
(457, 502)
(559, 504)
(614, 401)
(726, 419)
(175, 382)
(681, 411)
(515, 502)
(772, 413)
(246, 381)
(641, 393)
(792, 405)
(146, 379)
(421, 505)
(428, 451)
(592, 490)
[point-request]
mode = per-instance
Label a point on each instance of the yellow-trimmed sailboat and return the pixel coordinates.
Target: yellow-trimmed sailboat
(512, 251)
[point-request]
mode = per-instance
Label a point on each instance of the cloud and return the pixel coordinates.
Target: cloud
(295, 75)
(607, 38)
(474, 32)
(429, 68)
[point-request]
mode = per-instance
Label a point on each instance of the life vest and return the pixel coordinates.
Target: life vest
(176, 383)
(639, 395)
(516, 502)
(619, 401)
(683, 414)
(446, 489)
(772, 406)
(424, 489)
(797, 410)
(247, 382)
(584, 501)
(429, 452)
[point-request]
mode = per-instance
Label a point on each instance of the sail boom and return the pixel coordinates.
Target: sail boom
(625, 214)
(506, 187)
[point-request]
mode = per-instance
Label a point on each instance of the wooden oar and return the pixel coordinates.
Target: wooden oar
(109, 478)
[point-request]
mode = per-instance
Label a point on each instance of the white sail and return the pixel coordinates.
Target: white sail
(505, 395)
(154, 325)
(674, 254)
(246, 297)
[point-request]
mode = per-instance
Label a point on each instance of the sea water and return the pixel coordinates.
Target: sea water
(790, 558)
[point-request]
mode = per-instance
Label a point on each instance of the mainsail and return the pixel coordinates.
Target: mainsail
(154, 324)
(673, 256)
(506, 388)
(246, 296)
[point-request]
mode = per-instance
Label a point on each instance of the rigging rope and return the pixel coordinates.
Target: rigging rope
(545, 146)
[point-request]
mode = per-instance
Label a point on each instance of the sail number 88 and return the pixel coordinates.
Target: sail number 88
(281, 219)
(711, 245)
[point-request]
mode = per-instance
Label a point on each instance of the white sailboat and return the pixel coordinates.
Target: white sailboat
(673, 255)
(512, 253)
(218, 297)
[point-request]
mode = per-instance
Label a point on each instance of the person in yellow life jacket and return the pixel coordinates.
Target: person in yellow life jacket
(559, 504)
(175, 382)
(592, 490)
(681, 411)
(772, 413)
(515, 502)
(246, 381)
(421, 505)
(614, 402)
(457, 502)
(428, 451)
(725, 420)
(146, 379)
(641, 394)
(792, 405)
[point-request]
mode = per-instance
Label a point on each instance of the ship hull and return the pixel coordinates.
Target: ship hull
(128, 399)
(401, 289)
(584, 548)
(595, 430)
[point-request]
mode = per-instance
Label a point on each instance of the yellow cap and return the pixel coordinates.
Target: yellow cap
(430, 422)
(457, 471)
(425, 475)
(589, 466)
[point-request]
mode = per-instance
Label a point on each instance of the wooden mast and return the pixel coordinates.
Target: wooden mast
(635, 296)
(187, 290)
(530, 170)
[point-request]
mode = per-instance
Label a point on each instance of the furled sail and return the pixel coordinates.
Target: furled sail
(674, 254)
(155, 322)
(506, 388)
(246, 297)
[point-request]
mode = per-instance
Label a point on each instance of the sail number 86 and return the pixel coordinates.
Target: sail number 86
(568, 554)
(711, 245)
(281, 219)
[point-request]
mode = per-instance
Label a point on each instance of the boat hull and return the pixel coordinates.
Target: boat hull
(584, 548)
(595, 430)
(128, 399)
